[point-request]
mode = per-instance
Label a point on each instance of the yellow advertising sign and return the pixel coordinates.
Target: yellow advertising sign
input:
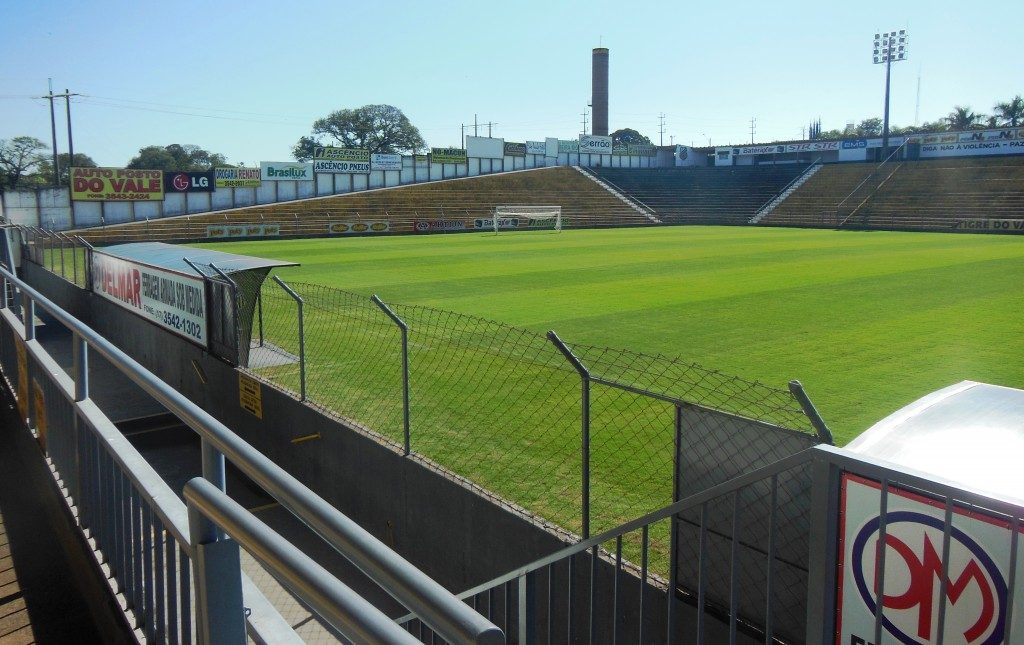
(19, 346)
(250, 395)
(116, 184)
(39, 408)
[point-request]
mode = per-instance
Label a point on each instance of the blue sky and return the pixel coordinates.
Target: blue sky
(247, 78)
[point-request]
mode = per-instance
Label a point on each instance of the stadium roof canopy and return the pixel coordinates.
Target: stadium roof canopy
(971, 434)
(172, 257)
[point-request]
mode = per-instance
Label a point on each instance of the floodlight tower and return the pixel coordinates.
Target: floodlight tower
(889, 46)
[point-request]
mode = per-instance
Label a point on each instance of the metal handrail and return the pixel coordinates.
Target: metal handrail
(814, 163)
(331, 599)
(435, 605)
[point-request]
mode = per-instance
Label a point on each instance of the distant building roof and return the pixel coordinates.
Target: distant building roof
(171, 257)
(971, 433)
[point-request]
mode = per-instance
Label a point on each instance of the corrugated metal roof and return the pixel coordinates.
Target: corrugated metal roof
(971, 433)
(171, 257)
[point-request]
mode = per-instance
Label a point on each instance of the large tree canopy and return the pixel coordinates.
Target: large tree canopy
(176, 157)
(962, 118)
(628, 136)
(46, 167)
(19, 158)
(1011, 112)
(377, 128)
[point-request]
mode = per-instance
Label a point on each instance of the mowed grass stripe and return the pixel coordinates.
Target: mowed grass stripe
(867, 320)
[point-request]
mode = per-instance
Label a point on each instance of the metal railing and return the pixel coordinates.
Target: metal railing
(874, 173)
(760, 213)
(128, 510)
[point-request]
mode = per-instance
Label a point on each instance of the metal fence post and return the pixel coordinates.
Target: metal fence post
(823, 552)
(302, 337)
(259, 309)
(405, 365)
(797, 389)
(585, 424)
(220, 614)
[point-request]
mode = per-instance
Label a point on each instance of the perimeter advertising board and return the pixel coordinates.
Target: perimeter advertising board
(116, 184)
(595, 144)
(330, 159)
(236, 177)
(568, 146)
(243, 230)
(641, 150)
(536, 148)
(513, 149)
(381, 161)
(977, 570)
(361, 226)
(286, 171)
(448, 155)
(174, 301)
(188, 182)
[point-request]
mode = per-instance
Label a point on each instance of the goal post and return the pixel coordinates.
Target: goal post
(532, 214)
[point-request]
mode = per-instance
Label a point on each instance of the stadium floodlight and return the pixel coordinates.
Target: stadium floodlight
(890, 46)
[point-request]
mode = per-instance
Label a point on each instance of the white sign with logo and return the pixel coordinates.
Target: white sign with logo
(595, 144)
(286, 171)
(173, 301)
(977, 571)
(972, 149)
(383, 161)
(536, 148)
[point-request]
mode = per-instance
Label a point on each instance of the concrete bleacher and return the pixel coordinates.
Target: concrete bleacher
(584, 204)
(928, 195)
(703, 195)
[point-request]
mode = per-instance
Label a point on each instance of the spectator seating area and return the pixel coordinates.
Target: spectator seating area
(928, 195)
(584, 204)
(703, 195)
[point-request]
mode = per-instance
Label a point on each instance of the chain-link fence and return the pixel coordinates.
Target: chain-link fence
(584, 437)
(64, 255)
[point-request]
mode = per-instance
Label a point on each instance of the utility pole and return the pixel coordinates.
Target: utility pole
(53, 134)
(661, 129)
(71, 142)
(463, 137)
(584, 114)
(753, 128)
(475, 133)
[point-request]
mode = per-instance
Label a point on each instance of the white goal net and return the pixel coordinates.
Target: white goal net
(509, 215)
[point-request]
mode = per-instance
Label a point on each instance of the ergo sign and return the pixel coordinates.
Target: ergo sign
(976, 575)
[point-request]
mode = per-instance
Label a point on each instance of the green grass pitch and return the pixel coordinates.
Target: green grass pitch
(868, 321)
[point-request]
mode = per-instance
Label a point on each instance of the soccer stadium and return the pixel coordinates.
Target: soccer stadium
(541, 391)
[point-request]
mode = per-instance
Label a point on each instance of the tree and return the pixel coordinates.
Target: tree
(1011, 112)
(629, 136)
(18, 158)
(377, 128)
(176, 156)
(870, 128)
(80, 161)
(961, 118)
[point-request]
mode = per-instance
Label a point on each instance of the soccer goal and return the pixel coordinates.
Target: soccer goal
(508, 216)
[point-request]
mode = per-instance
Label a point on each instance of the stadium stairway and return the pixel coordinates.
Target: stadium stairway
(633, 203)
(397, 209)
(786, 192)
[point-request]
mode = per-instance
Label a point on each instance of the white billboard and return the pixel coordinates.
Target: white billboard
(286, 171)
(385, 162)
(977, 570)
(174, 301)
(536, 148)
(551, 146)
(595, 144)
(972, 149)
(485, 147)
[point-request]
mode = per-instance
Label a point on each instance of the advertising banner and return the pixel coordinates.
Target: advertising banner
(978, 566)
(361, 226)
(641, 150)
(286, 171)
(121, 184)
(536, 148)
(984, 224)
(448, 155)
(503, 222)
(236, 177)
(385, 162)
(595, 144)
(853, 144)
(174, 301)
(620, 149)
(686, 156)
(485, 147)
(515, 149)
(330, 159)
(429, 226)
(341, 154)
(568, 146)
(188, 182)
(420, 160)
(243, 230)
(973, 149)
(333, 165)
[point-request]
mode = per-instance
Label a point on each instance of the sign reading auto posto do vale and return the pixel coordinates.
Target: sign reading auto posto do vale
(122, 184)
(174, 301)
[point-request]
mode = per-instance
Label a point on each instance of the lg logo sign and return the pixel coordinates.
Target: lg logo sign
(188, 182)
